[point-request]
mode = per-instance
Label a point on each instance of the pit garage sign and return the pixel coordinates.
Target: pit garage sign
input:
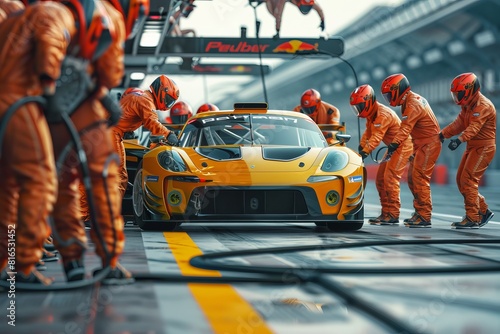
(250, 47)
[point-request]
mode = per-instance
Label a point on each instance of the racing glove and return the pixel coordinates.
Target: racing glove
(322, 25)
(454, 143)
(362, 153)
(172, 139)
(391, 148)
(441, 137)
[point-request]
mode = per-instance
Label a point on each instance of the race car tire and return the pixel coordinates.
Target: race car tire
(141, 214)
(344, 226)
(348, 226)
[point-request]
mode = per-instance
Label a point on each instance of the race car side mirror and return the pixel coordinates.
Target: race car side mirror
(343, 138)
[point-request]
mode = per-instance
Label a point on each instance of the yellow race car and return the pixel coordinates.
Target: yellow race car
(253, 165)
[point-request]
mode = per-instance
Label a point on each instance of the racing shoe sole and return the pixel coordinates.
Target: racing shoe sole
(462, 227)
(421, 225)
(386, 222)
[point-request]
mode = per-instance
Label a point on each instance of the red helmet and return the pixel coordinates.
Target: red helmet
(394, 88)
(464, 88)
(187, 8)
(180, 112)
(134, 12)
(165, 92)
(363, 101)
(310, 101)
(305, 6)
(207, 107)
(95, 30)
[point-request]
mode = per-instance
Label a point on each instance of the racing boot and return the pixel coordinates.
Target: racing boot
(389, 219)
(49, 256)
(376, 220)
(34, 277)
(465, 223)
(49, 244)
(74, 270)
(412, 216)
(116, 276)
(40, 265)
(417, 221)
(485, 217)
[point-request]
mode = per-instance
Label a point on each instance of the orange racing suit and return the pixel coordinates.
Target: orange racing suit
(90, 119)
(7, 7)
(382, 126)
(326, 113)
(476, 124)
(138, 109)
(32, 45)
(419, 121)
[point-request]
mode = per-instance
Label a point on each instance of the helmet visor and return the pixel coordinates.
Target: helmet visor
(308, 110)
(358, 108)
(458, 96)
(388, 97)
(180, 119)
(305, 9)
(187, 11)
(169, 101)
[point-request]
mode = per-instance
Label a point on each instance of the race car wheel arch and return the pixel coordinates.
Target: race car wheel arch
(349, 225)
(141, 214)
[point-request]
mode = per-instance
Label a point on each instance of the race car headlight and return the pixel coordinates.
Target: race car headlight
(321, 178)
(335, 161)
(172, 161)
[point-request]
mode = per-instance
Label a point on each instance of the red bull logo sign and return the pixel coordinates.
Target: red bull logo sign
(295, 46)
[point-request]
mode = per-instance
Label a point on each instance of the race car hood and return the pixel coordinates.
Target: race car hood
(257, 158)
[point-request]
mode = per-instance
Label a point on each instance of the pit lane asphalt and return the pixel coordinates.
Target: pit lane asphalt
(441, 303)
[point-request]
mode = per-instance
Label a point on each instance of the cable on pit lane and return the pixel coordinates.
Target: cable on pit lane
(209, 261)
(273, 275)
(314, 274)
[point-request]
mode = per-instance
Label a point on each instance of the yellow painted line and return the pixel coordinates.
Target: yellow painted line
(225, 309)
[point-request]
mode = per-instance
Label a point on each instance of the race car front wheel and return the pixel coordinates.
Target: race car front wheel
(137, 195)
(141, 214)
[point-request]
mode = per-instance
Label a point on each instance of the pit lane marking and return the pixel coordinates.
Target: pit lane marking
(225, 309)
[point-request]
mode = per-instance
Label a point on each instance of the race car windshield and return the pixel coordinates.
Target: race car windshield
(252, 129)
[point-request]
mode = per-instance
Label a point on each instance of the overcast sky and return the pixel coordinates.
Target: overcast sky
(224, 18)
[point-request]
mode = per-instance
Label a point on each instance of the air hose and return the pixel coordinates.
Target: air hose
(75, 138)
(12, 109)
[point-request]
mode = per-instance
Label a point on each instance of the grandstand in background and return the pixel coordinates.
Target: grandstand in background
(430, 41)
